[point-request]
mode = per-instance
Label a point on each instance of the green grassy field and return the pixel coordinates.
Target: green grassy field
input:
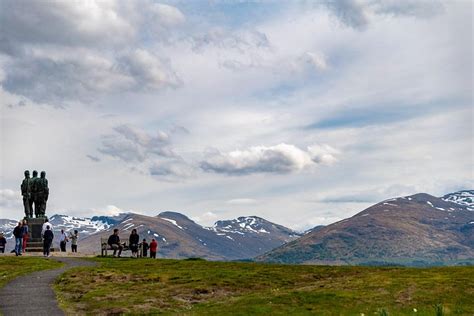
(12, 267)
(145, 286)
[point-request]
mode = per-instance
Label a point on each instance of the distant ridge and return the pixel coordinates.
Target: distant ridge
(417, 229)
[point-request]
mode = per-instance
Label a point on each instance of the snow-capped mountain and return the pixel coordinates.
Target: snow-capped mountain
(416, 229)
(249, 225)
(180, 237)
(465, 198)
(84, 225)
(6, 227)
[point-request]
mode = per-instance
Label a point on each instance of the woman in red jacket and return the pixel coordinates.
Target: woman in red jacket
(153, 248)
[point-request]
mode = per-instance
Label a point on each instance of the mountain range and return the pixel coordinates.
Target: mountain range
(177, 235)
(411, 230)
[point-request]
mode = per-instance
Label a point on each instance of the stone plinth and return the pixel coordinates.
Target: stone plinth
(35, 225)
(35, 242)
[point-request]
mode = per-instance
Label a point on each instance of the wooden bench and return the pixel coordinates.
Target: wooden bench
(104, 246)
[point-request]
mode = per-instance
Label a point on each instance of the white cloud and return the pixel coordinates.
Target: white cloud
(10, 198)
(108, 210)
(282, 158)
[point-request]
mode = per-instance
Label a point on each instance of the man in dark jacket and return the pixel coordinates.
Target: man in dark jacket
(17, 232)
(114, 242)
(48, 237)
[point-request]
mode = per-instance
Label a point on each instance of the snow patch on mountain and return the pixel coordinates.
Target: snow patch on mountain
(84, 225)
(464, 198)
(172, 221)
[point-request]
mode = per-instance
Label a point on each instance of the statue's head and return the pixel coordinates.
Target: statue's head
(35, 173)
(43, 174)
(27, 173)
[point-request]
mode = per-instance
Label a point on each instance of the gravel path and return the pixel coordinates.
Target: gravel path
(32, 294)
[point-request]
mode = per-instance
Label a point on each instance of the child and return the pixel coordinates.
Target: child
(145, 247)
(153, 248)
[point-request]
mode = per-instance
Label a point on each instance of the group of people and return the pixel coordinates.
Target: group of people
(22, 234)
(134, 245)
(35, 192)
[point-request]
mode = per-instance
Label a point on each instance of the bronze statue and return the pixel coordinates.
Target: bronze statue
(42, 194)
(34, 190)
(26, 193)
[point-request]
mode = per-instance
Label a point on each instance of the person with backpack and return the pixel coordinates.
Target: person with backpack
(153, 248)
(17, 232)
(48, 237)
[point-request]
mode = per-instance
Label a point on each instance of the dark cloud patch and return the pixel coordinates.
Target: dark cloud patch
(93, 158)
(349, 12)
(146, 153)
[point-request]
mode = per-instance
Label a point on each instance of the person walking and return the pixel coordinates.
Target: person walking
(62, 241)
(133, 240)
(145, 247)
(3, 243)
(18, 239)
(114, 242)
(74, 238)
(25, 234)
(48, 237)
(153, 248)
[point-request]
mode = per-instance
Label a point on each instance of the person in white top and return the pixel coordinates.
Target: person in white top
(43, 229)
(63, 240)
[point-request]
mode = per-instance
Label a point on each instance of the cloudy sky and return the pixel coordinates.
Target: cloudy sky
(303, 113)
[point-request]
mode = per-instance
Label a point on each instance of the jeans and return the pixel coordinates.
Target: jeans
(18, 245)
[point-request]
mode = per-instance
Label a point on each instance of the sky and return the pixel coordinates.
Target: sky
(300, 112)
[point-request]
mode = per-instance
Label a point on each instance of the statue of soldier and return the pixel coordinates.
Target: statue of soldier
(26, 187)
(34, 191)
(42, 194)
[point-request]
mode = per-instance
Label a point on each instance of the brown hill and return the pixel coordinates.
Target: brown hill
(180, 237)
(402, 230)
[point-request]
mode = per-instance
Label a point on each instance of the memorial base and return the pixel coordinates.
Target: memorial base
(35, 242)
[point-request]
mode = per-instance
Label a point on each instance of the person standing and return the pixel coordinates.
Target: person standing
(25, 234)
(62, 241)
(133, 240)
(3, 243)
(46, 224)
(114, 242)
(18, 239)
(48, 237)
(145, 247)
(26, 193)
(74, 238)
(153, 248)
